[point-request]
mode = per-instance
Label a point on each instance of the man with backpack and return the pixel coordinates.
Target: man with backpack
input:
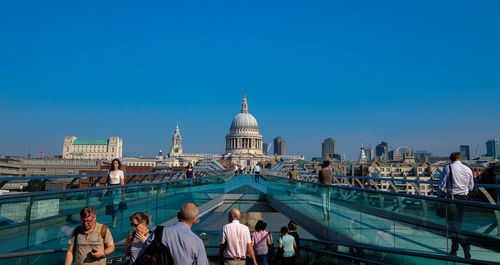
(90, 242)
(175, 244)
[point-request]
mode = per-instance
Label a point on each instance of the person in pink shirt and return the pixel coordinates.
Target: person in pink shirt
(260, 239)
(235, 241)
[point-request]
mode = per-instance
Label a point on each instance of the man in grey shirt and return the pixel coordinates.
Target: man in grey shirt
(185, 247)
(456, 182)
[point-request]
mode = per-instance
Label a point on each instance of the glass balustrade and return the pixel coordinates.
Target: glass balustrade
(343, 215)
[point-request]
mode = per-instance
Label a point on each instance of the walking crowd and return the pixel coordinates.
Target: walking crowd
(92, 242)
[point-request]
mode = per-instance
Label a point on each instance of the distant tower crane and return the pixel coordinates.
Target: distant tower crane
(43, 147)
(475, 152)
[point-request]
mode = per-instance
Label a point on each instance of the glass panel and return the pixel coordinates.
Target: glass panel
(14, 225)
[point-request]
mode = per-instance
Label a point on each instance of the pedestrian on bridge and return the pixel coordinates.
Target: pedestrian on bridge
(189, 172)
(91, 242)
(325, 176)
(456, 182)
(186, 248)
(235, 241)
(256, 171)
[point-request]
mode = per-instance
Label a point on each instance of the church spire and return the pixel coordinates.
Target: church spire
(244, 105)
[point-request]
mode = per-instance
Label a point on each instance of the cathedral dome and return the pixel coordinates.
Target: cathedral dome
(244, 120)
(244, 134)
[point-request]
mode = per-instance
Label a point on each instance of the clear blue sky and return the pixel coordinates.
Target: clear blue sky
(424, 74)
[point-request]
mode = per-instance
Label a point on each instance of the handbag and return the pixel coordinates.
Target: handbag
(110, 209)
(122, 206)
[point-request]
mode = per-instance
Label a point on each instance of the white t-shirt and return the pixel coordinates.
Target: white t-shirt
(256, 169)
(115, 177)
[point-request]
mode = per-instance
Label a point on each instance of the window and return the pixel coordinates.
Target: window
(43, 169)
(420, 170)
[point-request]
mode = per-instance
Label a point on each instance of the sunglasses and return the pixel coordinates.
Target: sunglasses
(87, 220)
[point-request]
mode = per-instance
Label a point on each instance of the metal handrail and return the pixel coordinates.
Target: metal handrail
(42, 193)
(470, 203)
(397, 251)
(405, 180)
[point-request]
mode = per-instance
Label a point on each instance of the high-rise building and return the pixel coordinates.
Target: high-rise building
(370, 153)
(395, 155)
(465, 152)
(328, 148)
(264, 148)
(382, 151)
(493, 148)
(279, 146)
(74, 148)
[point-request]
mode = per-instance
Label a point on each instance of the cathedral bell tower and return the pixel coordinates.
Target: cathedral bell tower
(176, 148)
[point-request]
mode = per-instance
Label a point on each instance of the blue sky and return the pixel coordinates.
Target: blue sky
(424, 74)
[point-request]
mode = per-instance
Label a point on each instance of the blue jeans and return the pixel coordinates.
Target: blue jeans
(261, 259)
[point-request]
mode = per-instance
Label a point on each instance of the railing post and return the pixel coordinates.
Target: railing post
(28, 220)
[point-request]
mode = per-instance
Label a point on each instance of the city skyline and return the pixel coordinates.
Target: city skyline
(422, 75)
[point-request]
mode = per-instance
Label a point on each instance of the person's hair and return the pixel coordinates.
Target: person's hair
(284, 230)
(455, 156)
(87, 211)
(235, 214)
(260, 226)
(119, 164)
(189, 165)
(292, 226)
(140, 217)
(188, 212)
(325, 163)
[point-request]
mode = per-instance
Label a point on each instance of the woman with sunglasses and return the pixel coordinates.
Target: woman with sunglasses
(139, 222)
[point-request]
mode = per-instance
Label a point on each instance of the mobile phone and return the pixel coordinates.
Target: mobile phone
(94, 250)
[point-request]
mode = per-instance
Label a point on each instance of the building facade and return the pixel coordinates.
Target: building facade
(279, 146)
(328, 148)
(382, 151)
(465, 152)
(493, 148)
(74, 148)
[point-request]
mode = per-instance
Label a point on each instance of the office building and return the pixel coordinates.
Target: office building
(382, 151)
(493, 148)
(279, 146)
(328, 148)
(264, 148)
(465, 152)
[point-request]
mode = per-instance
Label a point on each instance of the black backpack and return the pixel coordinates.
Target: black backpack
(156, 253)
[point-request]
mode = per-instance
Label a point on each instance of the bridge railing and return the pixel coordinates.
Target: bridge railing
(44, 221)
(482, 192)
(400, 222)
(93, 180)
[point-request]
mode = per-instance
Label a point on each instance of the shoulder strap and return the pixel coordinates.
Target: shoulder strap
(75, 235)
(158, 233)
(451, 179)
(104, 230)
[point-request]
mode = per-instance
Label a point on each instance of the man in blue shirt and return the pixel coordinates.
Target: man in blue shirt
(185, 247)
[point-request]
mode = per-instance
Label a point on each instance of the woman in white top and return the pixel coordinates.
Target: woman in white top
(115, 177)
